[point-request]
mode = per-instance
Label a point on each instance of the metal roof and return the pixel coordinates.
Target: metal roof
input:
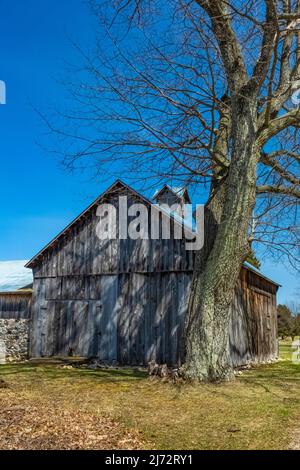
(17, 292)
(179, 191)
(256, 271)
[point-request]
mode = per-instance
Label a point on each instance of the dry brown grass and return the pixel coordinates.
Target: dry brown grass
(77, 408)
(41, 424)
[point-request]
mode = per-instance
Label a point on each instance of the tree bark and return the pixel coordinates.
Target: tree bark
(218, 264)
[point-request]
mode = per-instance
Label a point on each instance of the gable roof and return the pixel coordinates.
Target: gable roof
(179, 191)
(119, 184)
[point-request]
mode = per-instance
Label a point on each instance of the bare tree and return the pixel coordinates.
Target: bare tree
(205, 92)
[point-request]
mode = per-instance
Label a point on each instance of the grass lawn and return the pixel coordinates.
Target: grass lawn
(49, 406)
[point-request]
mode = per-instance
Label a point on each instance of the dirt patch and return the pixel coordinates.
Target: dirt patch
(24, 425)
(3, 384)
(295, 441)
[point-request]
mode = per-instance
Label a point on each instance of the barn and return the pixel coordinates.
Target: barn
(124, 300)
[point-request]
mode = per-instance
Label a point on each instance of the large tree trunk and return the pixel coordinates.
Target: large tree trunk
(218, 264)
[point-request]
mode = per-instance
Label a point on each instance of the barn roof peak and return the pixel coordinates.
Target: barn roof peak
(179, 192)
(117, 185)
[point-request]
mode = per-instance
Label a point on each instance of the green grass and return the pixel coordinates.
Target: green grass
(259, 410)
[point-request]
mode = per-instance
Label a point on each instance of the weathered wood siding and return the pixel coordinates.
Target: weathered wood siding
(253, 333)
(125, 300)
(131, 317)
(15, 305)
(80, 252)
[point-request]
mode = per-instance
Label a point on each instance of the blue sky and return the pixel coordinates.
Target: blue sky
(38, 198)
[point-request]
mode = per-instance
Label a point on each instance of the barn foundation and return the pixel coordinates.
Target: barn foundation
(14, 340)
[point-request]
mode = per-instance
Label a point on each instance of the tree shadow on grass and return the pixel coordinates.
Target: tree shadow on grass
(275, 378)
(50, 372)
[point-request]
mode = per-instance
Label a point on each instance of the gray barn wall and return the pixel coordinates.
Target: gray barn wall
(15, 305)
(125, 300)
(253, 332)
(131, 317)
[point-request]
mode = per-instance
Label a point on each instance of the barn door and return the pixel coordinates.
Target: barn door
(107, 313)
(41, 330)
(39, 320)
(262, 323)
(69, 330)
(271, 329)
(79, 328)
(135, 340)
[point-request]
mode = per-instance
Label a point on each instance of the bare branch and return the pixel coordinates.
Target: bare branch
(270, 28)
(230, 49)
(270, 161)
(292, 118)
(289, 191)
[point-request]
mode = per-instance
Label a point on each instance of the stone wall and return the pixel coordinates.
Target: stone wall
(14, 339)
